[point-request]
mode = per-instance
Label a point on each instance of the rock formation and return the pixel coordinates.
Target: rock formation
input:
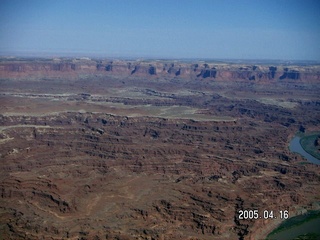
(161, 69)
(97, 149)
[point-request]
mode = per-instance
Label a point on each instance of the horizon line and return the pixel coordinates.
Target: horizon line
(92, 55)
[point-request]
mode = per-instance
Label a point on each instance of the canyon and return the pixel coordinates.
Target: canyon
(159, 68)
(153, 149)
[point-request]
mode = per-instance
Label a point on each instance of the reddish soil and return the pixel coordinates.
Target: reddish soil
(86, 154)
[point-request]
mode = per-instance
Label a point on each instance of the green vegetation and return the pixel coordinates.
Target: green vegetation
(309, 144)
(308, 236)
(294, 222)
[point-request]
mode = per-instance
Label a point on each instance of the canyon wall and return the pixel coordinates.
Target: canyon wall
(159, 69)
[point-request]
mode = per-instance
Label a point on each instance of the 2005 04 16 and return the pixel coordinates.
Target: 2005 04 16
(265, 214)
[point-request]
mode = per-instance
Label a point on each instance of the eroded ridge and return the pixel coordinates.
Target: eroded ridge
(96, 174)
(96, 151)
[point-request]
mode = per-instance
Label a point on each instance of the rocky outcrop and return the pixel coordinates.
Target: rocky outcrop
(216, 71)
(290, 74)
(95, 149)
(167, 178)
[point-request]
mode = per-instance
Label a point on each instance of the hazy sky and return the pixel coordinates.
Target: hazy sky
(260, 29)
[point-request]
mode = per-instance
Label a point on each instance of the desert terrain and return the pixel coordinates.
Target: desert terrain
(154, 149)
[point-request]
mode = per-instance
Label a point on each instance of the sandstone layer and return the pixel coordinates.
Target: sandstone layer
(161, 69)
(133, 150)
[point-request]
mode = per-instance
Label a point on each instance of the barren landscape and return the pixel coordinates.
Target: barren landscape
(157, 149)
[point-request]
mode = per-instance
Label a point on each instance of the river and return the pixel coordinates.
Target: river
(306, 227)
(295, 146)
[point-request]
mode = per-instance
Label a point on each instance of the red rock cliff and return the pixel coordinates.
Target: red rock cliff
(165, 69)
